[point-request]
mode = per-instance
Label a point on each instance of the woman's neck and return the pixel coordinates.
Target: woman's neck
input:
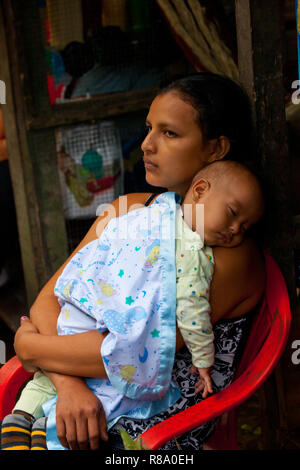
(181, 190)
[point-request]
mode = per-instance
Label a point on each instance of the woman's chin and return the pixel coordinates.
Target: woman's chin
(152, 180)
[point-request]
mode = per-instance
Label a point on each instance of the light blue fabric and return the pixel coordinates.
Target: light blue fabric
(108, 79)
(125, 282)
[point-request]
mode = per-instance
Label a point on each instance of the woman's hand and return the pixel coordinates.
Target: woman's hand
(80, 417)
(22, 336)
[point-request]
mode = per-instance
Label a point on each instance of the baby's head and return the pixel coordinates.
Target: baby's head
(232, 198)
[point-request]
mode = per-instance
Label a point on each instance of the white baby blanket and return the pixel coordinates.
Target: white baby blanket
(125, 282)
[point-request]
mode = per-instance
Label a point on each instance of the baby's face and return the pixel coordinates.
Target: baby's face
(230, 209)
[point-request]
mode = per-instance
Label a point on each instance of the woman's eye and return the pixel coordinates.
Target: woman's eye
(233, 212)
(170, 133)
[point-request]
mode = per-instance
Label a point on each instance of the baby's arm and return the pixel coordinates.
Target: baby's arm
(193, 319)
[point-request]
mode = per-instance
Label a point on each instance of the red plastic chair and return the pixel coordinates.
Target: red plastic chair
(266, 342)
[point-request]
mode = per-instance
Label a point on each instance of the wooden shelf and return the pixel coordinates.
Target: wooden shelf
(96, 107)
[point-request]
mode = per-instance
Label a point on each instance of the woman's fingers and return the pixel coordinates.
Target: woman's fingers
(94, 433)
(103, 425)
(71, 435)
(82, 434)
(61, 432)
(97, 428)
(80, 419)
(74, 435)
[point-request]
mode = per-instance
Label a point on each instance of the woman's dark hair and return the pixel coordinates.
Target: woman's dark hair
(223, 108)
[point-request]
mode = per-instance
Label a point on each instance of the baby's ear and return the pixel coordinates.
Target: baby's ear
(200, 187)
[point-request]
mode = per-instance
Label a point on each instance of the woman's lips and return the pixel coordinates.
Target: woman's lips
(149, 165)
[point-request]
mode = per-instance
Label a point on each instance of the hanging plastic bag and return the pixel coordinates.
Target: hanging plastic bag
(90, 164)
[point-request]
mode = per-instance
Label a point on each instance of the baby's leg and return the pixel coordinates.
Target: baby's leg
(38, 434)
(16, 428)
(39, 390)
(16, 431)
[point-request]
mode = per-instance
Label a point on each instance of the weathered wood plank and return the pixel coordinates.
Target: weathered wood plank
(33, 166)
(260, 64)
(41, 142)
(98, 107)
(24, 203)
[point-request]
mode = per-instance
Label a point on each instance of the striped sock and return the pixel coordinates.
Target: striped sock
(15, 432)
(38, 434)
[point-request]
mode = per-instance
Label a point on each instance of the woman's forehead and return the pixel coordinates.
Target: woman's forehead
(171, 107)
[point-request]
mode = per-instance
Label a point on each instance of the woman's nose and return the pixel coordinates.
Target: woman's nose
(148, 144)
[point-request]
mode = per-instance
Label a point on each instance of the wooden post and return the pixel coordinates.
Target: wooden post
(33, 167)
(260, 64)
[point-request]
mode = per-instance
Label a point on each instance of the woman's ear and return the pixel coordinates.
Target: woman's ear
(219, 148)
(200, 187)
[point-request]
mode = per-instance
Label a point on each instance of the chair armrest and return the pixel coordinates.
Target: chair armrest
(196, 415)
(12, 377)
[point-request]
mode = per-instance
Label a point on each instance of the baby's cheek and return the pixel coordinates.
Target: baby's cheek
(237, 240)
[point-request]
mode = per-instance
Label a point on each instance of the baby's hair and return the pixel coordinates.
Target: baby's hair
(220, 169)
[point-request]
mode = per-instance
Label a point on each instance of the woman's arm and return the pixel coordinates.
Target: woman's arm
(75, 355)
(69, 355)
(236, 288)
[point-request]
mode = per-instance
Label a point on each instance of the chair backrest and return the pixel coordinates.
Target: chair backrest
(266, 342)
(272, 322)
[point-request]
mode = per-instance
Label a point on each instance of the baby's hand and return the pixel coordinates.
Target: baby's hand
(204, 383)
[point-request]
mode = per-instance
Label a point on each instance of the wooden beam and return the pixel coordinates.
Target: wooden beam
(259, 29)
(98, 107)
(260, 65)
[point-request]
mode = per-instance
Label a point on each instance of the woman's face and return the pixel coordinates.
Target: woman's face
(174, 148)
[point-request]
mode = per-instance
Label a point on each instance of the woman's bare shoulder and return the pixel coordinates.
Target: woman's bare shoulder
(239, 280)
(118, 207)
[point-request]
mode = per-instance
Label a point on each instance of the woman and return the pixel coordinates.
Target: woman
(192, 122)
